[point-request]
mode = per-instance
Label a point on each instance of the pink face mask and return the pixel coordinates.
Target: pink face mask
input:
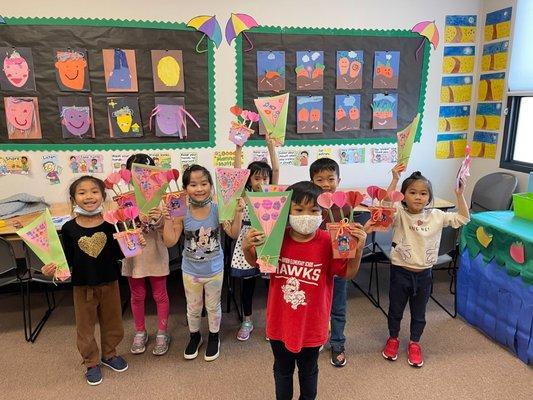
(19, 112)
(16, 69)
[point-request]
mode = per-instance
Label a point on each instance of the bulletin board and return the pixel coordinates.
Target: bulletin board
(43, 35)
(411, 89)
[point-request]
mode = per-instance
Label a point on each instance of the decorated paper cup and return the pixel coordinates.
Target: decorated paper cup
(176, 203)
(239, 133)
(129, 242)
(344, 245)
(125, 199)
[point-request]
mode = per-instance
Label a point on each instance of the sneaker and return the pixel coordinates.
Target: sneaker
(162, 341)
(116, 363)
(93, 375)
(191, 352)
(338, 356)
(246, 329)
(320, 349)
(390, 352)
(414, 355)
(213, 347)
(139, 343)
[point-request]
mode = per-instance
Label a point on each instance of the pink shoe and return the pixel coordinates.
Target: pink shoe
(245, 331)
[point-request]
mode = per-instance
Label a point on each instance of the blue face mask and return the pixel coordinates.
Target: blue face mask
(80, 211)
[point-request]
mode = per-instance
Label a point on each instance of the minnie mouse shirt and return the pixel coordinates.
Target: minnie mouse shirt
(202, 253)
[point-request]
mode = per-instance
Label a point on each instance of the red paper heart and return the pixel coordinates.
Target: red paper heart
(355, 198)
(339, 199)
(372, 191)
(395, 196)
(110, 217)
(236, 110)
(381, 194)
(119, 215)
(114, 178)
(125, 174)
(325, 200)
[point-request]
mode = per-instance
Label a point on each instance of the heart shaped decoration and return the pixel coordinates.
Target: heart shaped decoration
(94, 244)
(109, 216)
(114, 178)
(125, 174)
(381, 194)
(131, 212)
(325, 200)
(355, 198)
(236, 110)
(119, 214)
(372, 191)
(395, 196)
(339, 199)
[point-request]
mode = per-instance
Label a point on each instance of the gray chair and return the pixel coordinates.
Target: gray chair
(494, 192)
(10, 272)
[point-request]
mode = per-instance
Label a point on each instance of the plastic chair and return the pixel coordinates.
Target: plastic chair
(10, 272)
(494, 192)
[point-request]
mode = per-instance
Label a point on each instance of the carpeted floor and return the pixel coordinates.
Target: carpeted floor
(460, 362)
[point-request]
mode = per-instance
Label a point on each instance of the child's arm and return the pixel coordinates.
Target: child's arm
(353, 264)
(172, 229)
(461, 202)
(396, 172)
(156, 217)
(252, 239)
(234, 228)
(273, 159)
(237, 163)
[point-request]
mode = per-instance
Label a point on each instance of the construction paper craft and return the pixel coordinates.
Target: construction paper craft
(171, 117)
(484, 144)
(72, 70)
(22, 118)
(385, 111)
(41, 237)
(17, 165)
(349, 69)
(238, 23)
(491, 87)
(269, 213)
(347, 112)
(86, 163)
(464, 170)
(239, 132)
(352, 156)
(494, 56)
(76, 114)
(450, 145)
(488, 116)
(406, 138)
(498, 24)
(274, 188)
(18, 73)
(270, 71)
(458, 59)
(428, 30)
(454, 118)
(382, 207)
(230, 185)
(309, 111)
(460, 29)
(273, 114)
(148, 186)
(386, 69)
(167, 69)
(51, 168)
(456, 89)
(176, 203)
(125, 200)
(120, 70)
(129, 242)
(309, 70)
(124, 117)
(344, 245)
(209, 26)
(383, 155)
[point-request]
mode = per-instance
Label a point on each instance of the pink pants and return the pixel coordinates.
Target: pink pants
(160, 295)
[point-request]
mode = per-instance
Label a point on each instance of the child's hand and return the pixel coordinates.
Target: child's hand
(461, 189)
(166, 213)
(369, 226)
(271, 143)
(240, 205)
(358, 232)
(155, 214)
(49, 269)
(252, 239)
(397, 171)
(142, 240)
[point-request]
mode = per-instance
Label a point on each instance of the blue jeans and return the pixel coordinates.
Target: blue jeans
(338, 313)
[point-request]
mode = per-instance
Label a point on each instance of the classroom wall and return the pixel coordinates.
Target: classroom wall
(388, 14)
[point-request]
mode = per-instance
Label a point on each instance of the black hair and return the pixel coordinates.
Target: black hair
(72, 157)
(324, 164)
(417, 176)
(74, 185)
(258, 168)
(305, 192)
(139, 158)
(186, 179)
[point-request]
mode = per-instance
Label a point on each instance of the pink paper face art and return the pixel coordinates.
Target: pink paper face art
(17, 69)
(22, 117)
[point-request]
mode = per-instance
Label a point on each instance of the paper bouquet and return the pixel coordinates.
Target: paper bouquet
(382, 207)
(239, 132)
(406, 139)
(273, 112)
(464, 170)
(129, 239)
(122, 198)
(175, 201)
(149, 184)
(230, 185)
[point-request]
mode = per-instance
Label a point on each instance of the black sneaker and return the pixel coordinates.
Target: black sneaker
(94, 375)
(191, 352)
(213, 346)
(116, 363)
(338, 357)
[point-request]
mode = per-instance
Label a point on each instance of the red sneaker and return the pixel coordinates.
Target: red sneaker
(390, 352)
(414, 355)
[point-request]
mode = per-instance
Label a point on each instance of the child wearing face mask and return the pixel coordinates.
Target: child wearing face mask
(300, 293)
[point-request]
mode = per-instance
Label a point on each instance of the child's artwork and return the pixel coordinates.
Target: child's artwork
(458, 59)
(491, 87)
(273, 113)
(450, 145)
(162, 160)
(76, 114)
(347, 112)
(118, 161)
(72, 70)
(406, 139)
(22, 118)
(386, 69)
(309, 111)
(16, 165)
(460, 29)
(51, 168)
(309, 70)
(230, 185)
(225, 158)
(383, 155)
(454, 118)
(150, 184)
(129, 241)
(120, 70)
(274, 188)
(349, 69)
(187, 159)
(456, 89)
(488, 116)
(86, 163)
(484, 144)
(382, 207)
(498, 24)
(18, 73)
(270, 71)
(494, 56)
(41, 237)
(269, 213)
(167, 69)
(239, 132)
(352, 156)
(385, 111)
(464, 170)
(170, 117)
(124, 117)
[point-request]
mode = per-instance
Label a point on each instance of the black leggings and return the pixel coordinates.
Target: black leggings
(247, 294)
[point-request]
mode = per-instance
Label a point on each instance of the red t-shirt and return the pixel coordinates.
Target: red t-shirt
(301, 290)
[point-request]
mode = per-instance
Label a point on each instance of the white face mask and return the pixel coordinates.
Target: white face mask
(80, 211)
(305, 224)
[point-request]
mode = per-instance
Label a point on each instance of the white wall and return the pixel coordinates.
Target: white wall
(369, 14)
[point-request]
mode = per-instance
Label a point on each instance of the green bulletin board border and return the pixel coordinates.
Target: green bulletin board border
(117, 23)
(333, 32)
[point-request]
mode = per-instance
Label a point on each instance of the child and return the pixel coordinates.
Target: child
(152, 263)
(325, 173)
(203, 259)
(299, 300)
(93, 256)
(260, 174)
(415, 248)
